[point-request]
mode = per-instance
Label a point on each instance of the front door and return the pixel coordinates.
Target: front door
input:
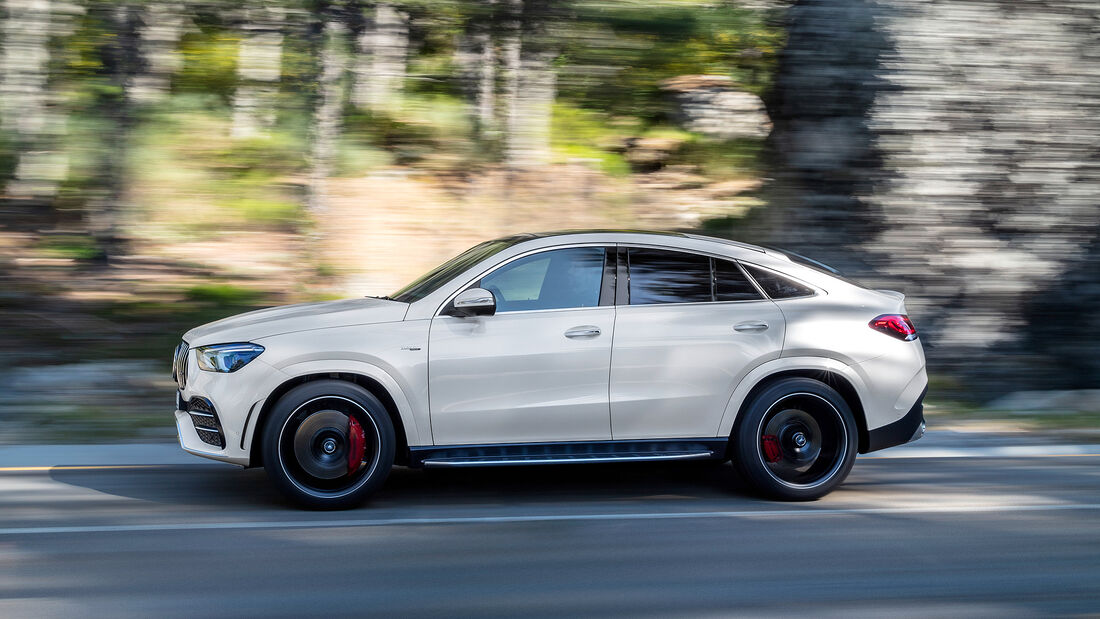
(537, 370)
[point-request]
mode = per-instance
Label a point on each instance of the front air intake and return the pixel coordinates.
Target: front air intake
(206, 422)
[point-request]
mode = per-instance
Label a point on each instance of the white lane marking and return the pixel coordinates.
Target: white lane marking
(380, 522)
(1003, 451)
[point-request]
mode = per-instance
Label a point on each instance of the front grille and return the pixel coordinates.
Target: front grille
(179, 365)
(205, 419)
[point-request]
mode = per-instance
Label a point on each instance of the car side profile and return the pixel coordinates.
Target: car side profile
(563, 348)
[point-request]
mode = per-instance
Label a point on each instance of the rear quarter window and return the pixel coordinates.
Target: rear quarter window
(778, 287)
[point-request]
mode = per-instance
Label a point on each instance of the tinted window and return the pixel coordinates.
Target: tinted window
(548, 280)
(776, 286)
(658, 276)
(730, 284)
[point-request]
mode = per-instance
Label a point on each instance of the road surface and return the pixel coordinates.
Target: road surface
(905, 536)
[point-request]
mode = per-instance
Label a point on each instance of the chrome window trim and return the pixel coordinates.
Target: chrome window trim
(627, 246)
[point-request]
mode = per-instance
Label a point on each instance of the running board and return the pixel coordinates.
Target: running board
(567, 453)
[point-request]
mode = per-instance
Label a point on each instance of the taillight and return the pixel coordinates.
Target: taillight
(895, 325)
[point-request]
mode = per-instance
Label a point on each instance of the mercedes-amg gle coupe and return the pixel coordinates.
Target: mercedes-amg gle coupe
(564, 347)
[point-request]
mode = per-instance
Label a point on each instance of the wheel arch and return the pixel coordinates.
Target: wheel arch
(834, 377)
(371, 384)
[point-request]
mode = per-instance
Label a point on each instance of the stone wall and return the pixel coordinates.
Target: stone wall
(951, 149)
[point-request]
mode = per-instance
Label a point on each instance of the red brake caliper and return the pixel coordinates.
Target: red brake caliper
(357, 444)
(771, 448)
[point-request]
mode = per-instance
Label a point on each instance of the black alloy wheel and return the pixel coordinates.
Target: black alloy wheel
(328, 444)
(797, 440)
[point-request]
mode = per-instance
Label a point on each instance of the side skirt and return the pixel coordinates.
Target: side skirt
(512, 454)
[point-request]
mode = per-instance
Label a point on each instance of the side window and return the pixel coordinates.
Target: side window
(776, 286)
(555, 279)
(658, 276)
(730, 284)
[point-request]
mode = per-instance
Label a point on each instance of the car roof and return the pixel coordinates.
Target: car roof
(519, 238)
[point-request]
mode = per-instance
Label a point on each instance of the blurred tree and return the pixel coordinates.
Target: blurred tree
(337, 23)
(381, 60)
(29, 110)
(259, 68)
(477, 57)
(120, 62)
(529, 52)
(162, 26)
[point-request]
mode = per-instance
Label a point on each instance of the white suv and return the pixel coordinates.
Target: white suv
(565, 347)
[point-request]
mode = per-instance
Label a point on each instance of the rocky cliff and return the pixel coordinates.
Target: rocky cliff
(951, 149)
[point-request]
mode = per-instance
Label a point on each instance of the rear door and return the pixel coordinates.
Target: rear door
(687, 331)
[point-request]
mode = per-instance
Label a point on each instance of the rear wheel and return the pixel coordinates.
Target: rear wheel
(797, 440)
(328, 444)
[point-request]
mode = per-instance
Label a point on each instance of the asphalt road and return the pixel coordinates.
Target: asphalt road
(1005, 536)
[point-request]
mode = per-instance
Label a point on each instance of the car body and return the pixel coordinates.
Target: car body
(563, 347)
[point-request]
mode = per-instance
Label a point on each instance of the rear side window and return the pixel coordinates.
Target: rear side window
(658, 276)
(730, 284)
(777, 286)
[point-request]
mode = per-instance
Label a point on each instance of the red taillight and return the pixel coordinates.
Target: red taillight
(895, 325)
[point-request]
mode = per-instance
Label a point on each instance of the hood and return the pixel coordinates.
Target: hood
(291, 318)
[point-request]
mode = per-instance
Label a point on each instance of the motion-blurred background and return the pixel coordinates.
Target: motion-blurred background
(164, 163)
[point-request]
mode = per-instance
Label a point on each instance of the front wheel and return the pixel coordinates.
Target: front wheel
(797, 440)
(328, 444)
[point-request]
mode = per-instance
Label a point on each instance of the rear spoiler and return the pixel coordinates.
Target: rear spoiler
(891, 293)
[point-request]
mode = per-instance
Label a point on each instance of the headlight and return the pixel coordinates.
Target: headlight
(226, 357)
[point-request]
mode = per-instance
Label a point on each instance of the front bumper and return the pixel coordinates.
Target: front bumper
(193, 444)
(216, 413)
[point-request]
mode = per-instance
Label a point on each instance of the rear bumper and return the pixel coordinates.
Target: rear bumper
(909, 428)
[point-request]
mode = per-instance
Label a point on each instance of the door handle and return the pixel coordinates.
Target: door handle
(752, 326)
(584, 331)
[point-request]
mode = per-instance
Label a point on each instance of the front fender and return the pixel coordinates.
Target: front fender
(416, 424)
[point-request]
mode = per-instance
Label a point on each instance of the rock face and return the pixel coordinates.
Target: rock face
(709, 104)
(952, 150)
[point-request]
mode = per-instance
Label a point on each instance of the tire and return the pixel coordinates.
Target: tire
(813, 440)
(308, 442)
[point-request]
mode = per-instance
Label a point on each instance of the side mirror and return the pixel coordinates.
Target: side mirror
(473, 302)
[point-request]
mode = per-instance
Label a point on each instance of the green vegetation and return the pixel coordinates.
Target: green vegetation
(223, 295)
(77, 247)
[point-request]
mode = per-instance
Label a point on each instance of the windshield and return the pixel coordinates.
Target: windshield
(432, 280)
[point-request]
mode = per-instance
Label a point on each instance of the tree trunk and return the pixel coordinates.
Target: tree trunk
(259, 68)
(531, 111)
(531, 85)
(326, 119)
(511, 49)
(477, 59)
(382, 59)
(486, 84)
(163, 24)
(121, 59)
(27, 108)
